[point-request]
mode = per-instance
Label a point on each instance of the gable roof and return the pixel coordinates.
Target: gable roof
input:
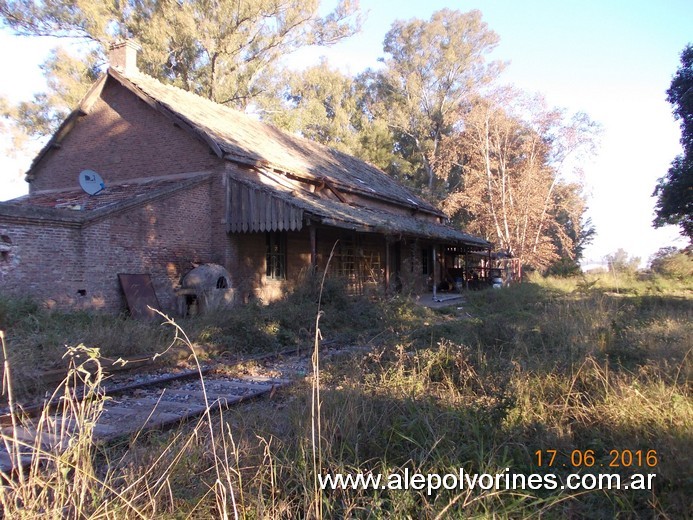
(332, 213)
(241, 139)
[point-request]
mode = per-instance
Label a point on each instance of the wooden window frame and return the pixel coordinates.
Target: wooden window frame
(275, 258)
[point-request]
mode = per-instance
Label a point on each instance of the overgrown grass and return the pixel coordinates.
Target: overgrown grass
(37, 339)
(58, 471)
(596, 364)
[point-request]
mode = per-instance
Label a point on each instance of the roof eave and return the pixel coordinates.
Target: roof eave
(27, 213)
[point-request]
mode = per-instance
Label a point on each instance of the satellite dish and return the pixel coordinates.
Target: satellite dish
(91, 182)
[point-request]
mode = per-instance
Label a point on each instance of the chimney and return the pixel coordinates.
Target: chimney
(122, 55)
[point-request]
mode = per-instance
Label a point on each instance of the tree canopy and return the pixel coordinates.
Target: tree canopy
(431, 68)
(674, 191)
(221, 49)
(328, 106)
(510, 153)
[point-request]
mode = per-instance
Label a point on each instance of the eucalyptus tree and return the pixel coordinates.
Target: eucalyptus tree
(319, 103)
(222, 49)
(513, 151)
(430, 69)
(326, 105)
(226, 50)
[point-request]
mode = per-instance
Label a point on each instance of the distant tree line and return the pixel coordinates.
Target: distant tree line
(501, 163)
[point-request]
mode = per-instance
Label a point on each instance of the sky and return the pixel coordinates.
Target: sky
(611, 59)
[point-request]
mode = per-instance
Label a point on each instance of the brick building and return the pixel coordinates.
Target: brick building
(190, 182)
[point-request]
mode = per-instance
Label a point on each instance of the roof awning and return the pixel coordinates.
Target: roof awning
(253, 209)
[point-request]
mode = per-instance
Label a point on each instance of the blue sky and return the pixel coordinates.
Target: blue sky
(613, 60)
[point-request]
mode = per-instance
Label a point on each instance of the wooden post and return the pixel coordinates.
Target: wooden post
(313, 246)
(488, 267)
(387, 265)
(435, 271)
(466, 267)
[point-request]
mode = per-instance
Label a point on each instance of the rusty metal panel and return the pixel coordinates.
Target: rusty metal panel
(139, 295)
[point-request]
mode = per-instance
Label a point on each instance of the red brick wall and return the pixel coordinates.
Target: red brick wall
(121, 138)
(161, 238)
(43, 262)
(248, 265)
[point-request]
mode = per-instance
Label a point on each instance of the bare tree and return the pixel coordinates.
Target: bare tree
(511, 152)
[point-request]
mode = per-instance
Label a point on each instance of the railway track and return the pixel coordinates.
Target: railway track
(150, 403)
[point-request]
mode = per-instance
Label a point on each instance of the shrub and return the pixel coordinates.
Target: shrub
(672, 263)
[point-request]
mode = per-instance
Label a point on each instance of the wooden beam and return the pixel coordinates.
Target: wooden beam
(435, 271)
(387, 265)
(313, 247)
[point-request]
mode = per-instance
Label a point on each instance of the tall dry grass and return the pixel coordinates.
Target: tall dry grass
(61, 470)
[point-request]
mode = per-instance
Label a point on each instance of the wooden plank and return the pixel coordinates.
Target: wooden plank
(258, 214)
(224, 399)
(170, 402)
(251, 210)
(239, 208)
(252, 207)
(26, 436)
(259, 211)
(104, 432)
(268, 213)
(232, 386)
(298, 219)
(227, 202)
(133, 418)
(264, 380)
(7, 465)
(275, 214)
(255, 385)
(234, 208)
(280, 216)
(244, 209)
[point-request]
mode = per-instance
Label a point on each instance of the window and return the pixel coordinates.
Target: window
(426, 254)
(276, 256)
(346, 260)
(357, 264)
